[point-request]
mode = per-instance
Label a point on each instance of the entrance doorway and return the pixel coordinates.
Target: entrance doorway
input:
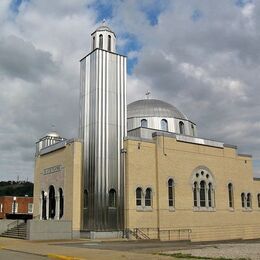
(52, 202)
(44, 215)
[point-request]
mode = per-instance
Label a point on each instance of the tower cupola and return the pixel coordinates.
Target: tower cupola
(104, 38)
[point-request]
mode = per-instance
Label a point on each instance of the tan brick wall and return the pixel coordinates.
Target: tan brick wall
(154, 163)
(70, 179)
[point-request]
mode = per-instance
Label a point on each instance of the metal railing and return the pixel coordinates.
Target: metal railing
(13, 224)
(139, 234)
(180, 234)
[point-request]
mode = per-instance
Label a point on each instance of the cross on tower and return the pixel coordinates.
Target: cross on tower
(148, 93)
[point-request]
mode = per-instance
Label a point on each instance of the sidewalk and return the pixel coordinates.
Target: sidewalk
(52, 250)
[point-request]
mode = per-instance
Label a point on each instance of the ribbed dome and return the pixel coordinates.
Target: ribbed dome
(104, 28)
(153, 108)
(53, 134)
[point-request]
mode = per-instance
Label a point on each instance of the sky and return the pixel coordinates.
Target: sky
(201, 56)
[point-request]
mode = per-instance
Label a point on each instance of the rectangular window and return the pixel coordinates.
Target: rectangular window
(30, 208)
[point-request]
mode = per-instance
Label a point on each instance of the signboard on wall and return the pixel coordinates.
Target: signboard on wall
(53, 169)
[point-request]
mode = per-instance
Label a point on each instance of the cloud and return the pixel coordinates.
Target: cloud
(20, 59)
(206, 66)
(201, 56)
(39, 76)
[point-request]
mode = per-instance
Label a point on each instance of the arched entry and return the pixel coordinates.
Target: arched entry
(44, 215)
(61, 203)
(52, 202)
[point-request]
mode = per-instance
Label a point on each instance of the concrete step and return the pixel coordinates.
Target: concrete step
(13, 236)
(16, 232)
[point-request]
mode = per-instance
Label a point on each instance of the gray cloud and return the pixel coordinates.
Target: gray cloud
(208, 68)
(20, 59)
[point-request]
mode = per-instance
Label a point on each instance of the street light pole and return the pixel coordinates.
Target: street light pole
(14, 205)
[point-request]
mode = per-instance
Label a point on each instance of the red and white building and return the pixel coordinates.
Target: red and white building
(15, 205)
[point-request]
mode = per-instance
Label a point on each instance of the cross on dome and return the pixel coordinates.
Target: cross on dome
(147, 94)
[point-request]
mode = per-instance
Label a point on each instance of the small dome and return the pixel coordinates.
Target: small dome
(153, 108)
(53, 134)
(104, 28)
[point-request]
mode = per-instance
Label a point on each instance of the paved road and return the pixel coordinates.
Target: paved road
(141, 246)
(125, 250)
(11, 255)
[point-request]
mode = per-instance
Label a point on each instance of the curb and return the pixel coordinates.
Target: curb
(63, 257)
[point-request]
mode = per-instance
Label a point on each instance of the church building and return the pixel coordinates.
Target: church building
(140, 170)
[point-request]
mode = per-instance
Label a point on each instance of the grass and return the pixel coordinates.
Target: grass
(189, 256)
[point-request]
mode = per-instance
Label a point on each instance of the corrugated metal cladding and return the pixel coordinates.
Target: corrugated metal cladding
(103, 128)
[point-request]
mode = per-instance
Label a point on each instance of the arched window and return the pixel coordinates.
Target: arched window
(258, 199)
(94, 45)
(230, 196)
(171, 192)
(192, 130)
(138, 195)
(85, 201)
(109, 43)
(52, 202)
(44, 215)
(210, 195)
(195, 197)
(144, 123)
(112, 198)
(148, 197)
(101, 41)
(248, 201)
(202, 194)
(164, 125)
(61, 203)
(243, 199)
(181, 126)
(203, 189)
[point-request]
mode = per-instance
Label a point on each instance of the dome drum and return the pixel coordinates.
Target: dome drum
(104, 38)
(158, 115)
(48, 140)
